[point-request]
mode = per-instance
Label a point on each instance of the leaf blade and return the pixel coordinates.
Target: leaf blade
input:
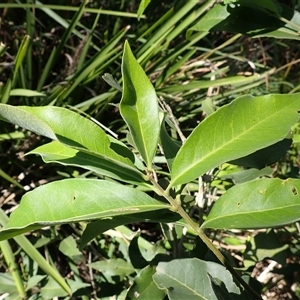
(139, 107)
(59, 123)
(188, 278)
(74, 200)
(56, 152)
(265, 203)
(235, 130)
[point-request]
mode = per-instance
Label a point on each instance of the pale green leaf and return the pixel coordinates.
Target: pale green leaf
(190, 279)
(139, 107)
(113, 267)
(52, 289)
(26, 93)
(68, 247)
(260, 203)
(143, 5)
(74, 200)
(235, 130)
(34, 280)
(7, 283)
(144, 287)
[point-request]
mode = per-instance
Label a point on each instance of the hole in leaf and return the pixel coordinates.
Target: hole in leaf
(170, 288)
(294, 191)
(238, 204)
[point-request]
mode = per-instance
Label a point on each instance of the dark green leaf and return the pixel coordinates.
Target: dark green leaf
(96, 228)
(252, 18)
(170, 146)
(265, 245)
(135, 255)
(247, 175)
(264, 157)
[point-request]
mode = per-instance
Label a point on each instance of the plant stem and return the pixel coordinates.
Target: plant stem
(179, 209)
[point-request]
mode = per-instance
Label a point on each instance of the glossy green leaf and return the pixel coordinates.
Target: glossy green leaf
(139, 107)
(74, 200)
(260, 203)
(59, 124)
(189, 279)
(235, 130)
(56, 152)
(144, 287)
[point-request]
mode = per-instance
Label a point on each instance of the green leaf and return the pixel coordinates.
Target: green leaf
(26, 93)
(56, 152)
(242, 176)
(266, 156)
(144, 287)
(74, 200)
(113, 267)
(4, 95)
(96, 228)
(260, 203)
(255, 19)
(59, 123)
(135, 253)
(235, 130)
(143, 5)
(169, 145)
(189, 279)
(139, 107)
(265, 245)
(7, 283)
(269, 6)
(109, 79)
(52, 289)
(68, 247)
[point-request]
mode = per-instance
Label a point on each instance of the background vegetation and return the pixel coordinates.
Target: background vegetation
(69, 55)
